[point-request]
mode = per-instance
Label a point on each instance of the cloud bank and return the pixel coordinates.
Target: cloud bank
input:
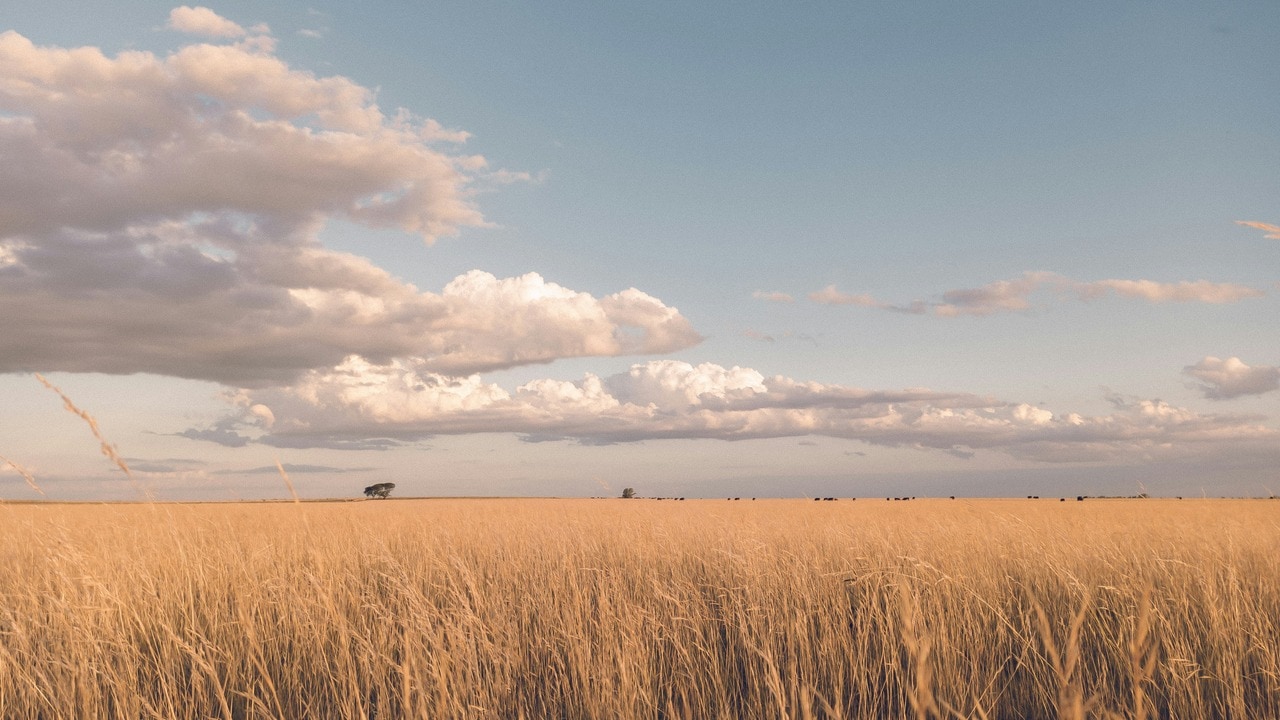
(160, 214)
(668, 399)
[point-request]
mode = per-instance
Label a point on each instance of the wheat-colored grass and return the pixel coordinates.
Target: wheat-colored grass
(641, 609)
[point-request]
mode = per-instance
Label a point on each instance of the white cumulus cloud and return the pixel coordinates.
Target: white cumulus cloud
(1230, 378)
(203, 21)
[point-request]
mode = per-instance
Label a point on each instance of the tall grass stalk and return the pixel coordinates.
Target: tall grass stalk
(108, 450)
(26, 476)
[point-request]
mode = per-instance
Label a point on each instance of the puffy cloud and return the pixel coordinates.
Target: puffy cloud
(101, 144)
(405, 401)
(203, 21)
(105, 304)
(489, 323)
(1272, 231)
(1014, 295)
(674, 385)
(1230, 378)
(160, 214)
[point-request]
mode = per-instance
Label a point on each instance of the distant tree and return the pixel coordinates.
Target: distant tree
(628, 493)
(380, 490)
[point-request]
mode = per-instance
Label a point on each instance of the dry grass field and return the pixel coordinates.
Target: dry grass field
(641, 609)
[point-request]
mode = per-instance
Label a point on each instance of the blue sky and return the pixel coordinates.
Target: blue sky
(986, 249)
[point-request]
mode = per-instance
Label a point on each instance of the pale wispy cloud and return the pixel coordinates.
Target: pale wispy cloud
(999, 296)
(1272, 231)
(503, 176)
(1230, 378)
(294, 469)
(1201, 291)
(773, 296)
(1007, 296)
(789, 335)
(829, 295)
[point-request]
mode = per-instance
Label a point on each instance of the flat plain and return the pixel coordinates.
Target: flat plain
(545, 608)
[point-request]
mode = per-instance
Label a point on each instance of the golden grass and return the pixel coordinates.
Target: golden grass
(641, 609)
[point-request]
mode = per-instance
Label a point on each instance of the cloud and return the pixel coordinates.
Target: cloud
(510, 177)
(490, 323)
(999, 296)
(293, 469)
(1005, 296)
(1231, 378)
(102, 144)
(829, 295)
(667, 399)
(203, 21)
(789, 335)
(433, 131)
(1272, 231)
(778, 297)
(1155, 292)
(97, 305)
(161, 214)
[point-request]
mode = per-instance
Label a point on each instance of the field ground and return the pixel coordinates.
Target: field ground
(642, 609)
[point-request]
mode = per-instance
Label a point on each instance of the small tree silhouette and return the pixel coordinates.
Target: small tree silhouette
(380, 490)
(628, 493)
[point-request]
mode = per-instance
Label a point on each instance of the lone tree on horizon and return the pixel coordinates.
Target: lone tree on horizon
(628, 493)
(380, 490)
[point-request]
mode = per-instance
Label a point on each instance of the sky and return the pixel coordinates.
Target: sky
(698, 249)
